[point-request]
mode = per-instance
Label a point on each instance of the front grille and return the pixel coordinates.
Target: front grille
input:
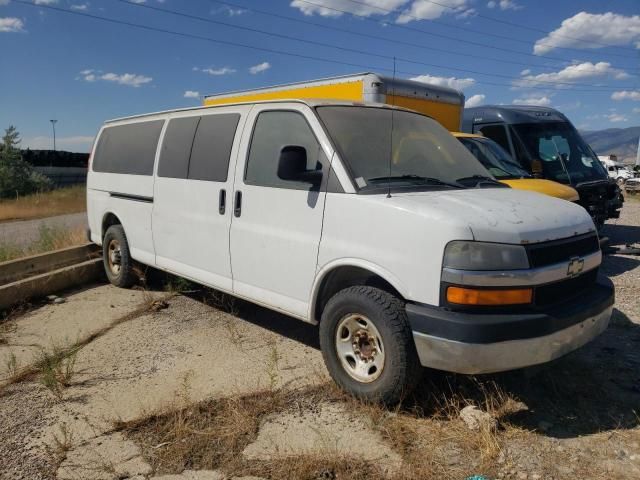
(563, 290)
(549, 253)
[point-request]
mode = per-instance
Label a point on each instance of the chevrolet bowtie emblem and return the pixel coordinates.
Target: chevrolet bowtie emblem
(576, 264)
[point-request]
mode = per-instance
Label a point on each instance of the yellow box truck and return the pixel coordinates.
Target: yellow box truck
(441, 103)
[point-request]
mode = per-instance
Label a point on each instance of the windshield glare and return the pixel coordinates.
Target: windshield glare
(423, 151)
(493, 157)
(565, 157)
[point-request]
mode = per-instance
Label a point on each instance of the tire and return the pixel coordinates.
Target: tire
(391, 368)
(118, 264)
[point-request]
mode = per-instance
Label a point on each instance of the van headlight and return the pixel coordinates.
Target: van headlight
(469, 255)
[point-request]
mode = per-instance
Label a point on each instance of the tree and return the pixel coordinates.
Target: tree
(17, 177)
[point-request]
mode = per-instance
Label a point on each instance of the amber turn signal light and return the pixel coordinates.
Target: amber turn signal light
(471, 296)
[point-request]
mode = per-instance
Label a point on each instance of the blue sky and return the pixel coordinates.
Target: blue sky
(580, 56)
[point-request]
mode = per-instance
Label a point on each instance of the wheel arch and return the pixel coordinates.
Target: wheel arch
(108, 219)
(345, 273)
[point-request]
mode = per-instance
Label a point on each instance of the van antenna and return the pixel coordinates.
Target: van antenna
(393, 101)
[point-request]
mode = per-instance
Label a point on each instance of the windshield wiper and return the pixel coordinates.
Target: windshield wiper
(479, 180)
(417, 178)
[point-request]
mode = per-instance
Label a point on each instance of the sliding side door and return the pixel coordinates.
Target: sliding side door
(192, 191)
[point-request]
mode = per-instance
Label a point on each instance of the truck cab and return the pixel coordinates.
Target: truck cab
(546, 144)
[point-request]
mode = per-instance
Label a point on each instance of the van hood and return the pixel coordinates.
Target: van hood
(501, 215)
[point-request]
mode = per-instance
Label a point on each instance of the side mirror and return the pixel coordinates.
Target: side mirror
(292, 166)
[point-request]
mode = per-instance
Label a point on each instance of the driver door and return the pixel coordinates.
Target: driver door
(277, 224)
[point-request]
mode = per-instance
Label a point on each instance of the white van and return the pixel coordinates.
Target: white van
(371, 221)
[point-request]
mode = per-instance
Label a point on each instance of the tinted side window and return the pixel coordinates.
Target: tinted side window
(176, 147)
(129, 149)
(274, 130)
(212, 147)
(498, 134)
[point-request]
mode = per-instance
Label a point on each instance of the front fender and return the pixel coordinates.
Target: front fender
(376, 269)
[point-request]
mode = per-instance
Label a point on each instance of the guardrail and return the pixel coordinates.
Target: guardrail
(46, 273)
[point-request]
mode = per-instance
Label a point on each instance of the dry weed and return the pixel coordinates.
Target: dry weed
(57, 368)
(49, 239)
(47, 204)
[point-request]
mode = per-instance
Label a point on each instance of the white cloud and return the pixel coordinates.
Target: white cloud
(504, 5)
(79, 143)
(216, 71)
(4, 2)
(626, 95)
(636, 110)
(571, 74)
(616, 118)
(45, 2)
(475, 100)
(139, 1)
(261, 67)
(129, 79)
(232, 12)
(82, 7)
(540, 101)
(191, 94)
(334, 8)
(11, 24)
(583, 29)
(451, 82)
(429, 10)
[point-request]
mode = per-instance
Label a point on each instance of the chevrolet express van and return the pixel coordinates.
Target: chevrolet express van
(297, 206)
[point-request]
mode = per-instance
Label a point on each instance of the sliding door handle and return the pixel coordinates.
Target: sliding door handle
(222, 201)
(237, 208)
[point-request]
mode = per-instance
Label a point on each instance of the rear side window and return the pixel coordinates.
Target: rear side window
(498, 134)
(128, 149)
(212, 147)
(274, 130)
(176, 147)
(198, 148)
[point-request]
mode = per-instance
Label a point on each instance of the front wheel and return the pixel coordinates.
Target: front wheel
(368, 346)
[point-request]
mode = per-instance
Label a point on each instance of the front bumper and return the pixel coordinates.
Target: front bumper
(474, 343)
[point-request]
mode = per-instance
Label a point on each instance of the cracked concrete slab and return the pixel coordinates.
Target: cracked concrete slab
(329, 429)
(107, 457)
(85, 312)
(194, 475)
(185, 352)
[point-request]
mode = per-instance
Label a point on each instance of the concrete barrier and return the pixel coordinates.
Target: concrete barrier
(45, 262)
(44, 274)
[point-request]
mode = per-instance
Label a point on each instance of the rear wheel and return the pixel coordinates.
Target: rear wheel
(117, 260)
(367, 344)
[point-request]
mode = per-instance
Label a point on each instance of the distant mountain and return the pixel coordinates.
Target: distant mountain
(622, 142)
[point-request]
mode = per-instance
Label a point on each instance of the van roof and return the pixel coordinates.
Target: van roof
(511, 114)
(310, 103)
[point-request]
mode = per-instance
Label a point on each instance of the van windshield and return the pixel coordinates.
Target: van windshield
(424, 154)
(494, 158)
(564, 155)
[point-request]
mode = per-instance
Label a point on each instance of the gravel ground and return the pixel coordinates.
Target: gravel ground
(624, 270)
(24, 232)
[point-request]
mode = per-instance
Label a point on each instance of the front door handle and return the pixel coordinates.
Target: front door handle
(237, 208)
(222, 201)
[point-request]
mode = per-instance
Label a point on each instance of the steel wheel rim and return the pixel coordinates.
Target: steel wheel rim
(114, 256)
(359, 348)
